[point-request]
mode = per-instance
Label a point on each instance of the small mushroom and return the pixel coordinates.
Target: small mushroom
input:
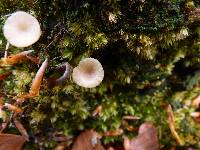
(22, 29)
(89, 73)
(36, 83)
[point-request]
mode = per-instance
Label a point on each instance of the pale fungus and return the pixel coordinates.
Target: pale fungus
(89, 73)
(21, 29)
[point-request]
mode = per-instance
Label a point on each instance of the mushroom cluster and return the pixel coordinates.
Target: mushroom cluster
(22, 30)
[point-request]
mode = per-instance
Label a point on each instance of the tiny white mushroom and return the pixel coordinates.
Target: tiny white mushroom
(89, 73)
(21, 29)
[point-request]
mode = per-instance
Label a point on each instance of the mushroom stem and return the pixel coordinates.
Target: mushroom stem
(6, 51)
(67, 71)
(36, 84)
(38, 79)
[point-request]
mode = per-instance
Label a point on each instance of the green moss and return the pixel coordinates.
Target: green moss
(150, 58)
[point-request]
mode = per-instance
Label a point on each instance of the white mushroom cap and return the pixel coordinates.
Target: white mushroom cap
(89, 73)
(22, 29)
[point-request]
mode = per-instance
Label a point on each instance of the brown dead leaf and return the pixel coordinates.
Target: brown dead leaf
(12, 108)
(129, 127)
(146, 140)
(171, 124)
(61, 146)
(3, 76)
(190, 148)
(36, 60)
(131, 118)
(97, 111)
(21, 129)
(3, 126)
(196, 101)
(116, 132)
(60, 137)
(115, 148)
(11, 142)
(88, 140)
(195, 11)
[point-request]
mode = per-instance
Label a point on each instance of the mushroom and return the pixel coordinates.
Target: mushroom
(22, 29)
(89, 73)
(36, 84)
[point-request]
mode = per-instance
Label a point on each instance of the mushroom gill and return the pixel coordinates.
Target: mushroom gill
(21, 29)
(89, 73)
